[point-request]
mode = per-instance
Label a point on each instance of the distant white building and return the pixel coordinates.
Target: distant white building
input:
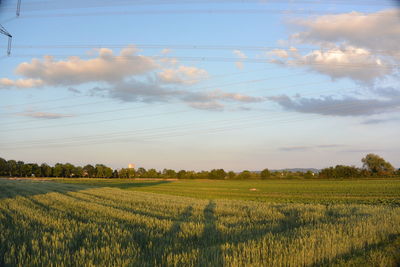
(131, 166)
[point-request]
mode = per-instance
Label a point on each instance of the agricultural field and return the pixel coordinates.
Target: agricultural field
(83, 222)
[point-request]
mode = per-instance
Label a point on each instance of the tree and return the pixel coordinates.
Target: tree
(89, 171)
(12, 167)
(231, 175)
(108, 172)
(152, 173)
(141, 172)
(3, 167)
(181, 174)
(377, 165)
(265, 174)
(69, 170)
(19, 171)
(115, 174)
(35, 170)
(58, 170)
(340, 171)
(25, 170)
(46, 170)
(167, 173)
(309, 174)
(217, 174)
(244, 175)
(99, 171)
(78, 171)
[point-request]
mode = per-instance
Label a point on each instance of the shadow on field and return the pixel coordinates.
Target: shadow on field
(154, 256)
(28, 187)
(364, 251)
(131, 184)
(210, 240)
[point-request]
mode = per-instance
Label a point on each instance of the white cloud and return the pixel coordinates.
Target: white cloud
(240, 55)
(211, 105)
(361, 47)
(182, 75)
(44, 115)
(166, 51)
(218, 94)
(348, 62)
(6, 83)
(280, 53)
(373, 31)
(106, 67)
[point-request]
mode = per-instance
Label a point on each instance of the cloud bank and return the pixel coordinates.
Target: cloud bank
(361, 47)
(345, 106)
(127, 76)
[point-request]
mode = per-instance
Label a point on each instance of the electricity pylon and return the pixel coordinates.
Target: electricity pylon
(6, 33)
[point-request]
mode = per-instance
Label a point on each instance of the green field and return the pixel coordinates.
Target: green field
(298, 191)
(86, 222)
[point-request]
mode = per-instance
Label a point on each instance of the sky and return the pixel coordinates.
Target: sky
(201, 84)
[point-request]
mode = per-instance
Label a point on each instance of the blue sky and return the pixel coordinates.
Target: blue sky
(234, 84)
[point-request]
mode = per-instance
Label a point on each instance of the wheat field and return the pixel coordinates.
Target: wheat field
(44, 223)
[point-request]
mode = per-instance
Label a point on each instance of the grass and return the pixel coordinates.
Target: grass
(149, 223)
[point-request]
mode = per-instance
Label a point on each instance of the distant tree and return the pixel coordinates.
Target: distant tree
(12, 167)
(231, 175)
(20, 168)
(58, 170)
(35, 170)
(25, 170)
(168, 173)
(123, 173)
(152, 173)
(77, 171)
(217, 174)
(264, 174)
(126, 173)
(108, 172)
(309, 174)
(131, 173)
(3, 167)
(68, 170)
(141, 172)
(46, 170)
(102, 171)
(89, 171)
(340, 171)
(244, 175)
(181, 174)
(115, 174)
(377, 165)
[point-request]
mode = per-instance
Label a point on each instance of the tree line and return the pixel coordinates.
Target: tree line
(373, 166)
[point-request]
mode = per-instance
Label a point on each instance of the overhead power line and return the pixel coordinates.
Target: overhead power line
(208, 78)
(226, 59)
(57, 5)
(120, 118)
(158, 105)
(192, 11)
(178, 130)
(195, 47)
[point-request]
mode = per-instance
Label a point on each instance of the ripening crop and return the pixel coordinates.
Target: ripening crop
(53, 224)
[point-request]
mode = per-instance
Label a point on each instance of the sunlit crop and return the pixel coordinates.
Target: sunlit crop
(54, 224)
